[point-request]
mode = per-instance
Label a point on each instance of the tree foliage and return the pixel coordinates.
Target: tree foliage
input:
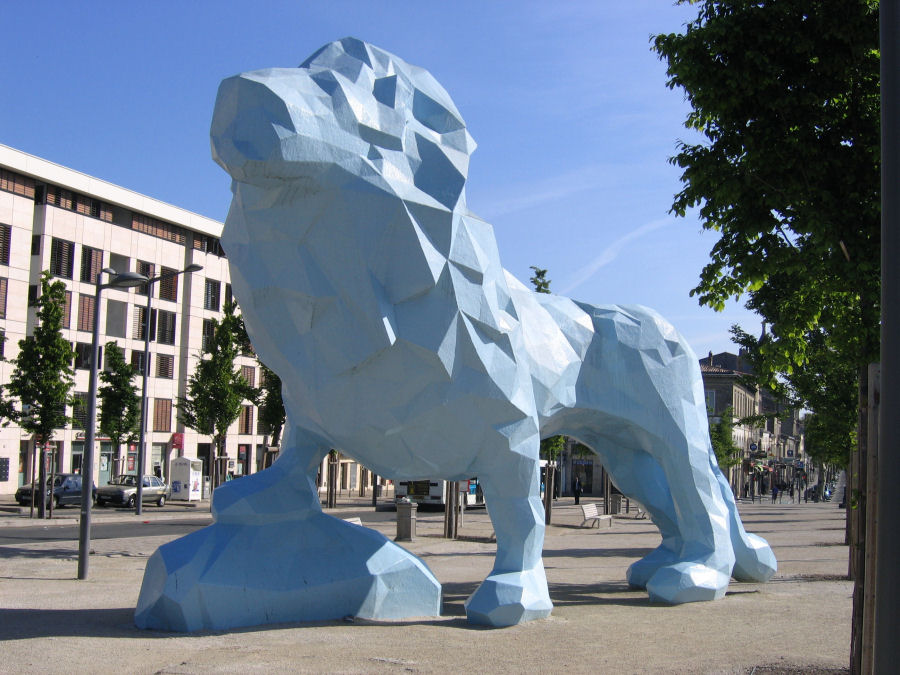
(216, 390)
(271, 405)
(120, 403)
(786, 97)
(721, 434)
(43, 375)
(7, 406)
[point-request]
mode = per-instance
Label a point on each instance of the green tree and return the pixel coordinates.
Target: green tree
(216, 390)
(7, 406)
(43, 376)
(120, 403)
(786, 98)
(271, 405)
(721, 434)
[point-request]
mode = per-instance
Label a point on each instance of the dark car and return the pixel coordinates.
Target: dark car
(66, 490)
(122, 491)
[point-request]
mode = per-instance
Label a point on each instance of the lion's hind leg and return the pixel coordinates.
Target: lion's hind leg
(753, 557)
(516, 589)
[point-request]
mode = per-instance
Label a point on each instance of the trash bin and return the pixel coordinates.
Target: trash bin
(406, 520)
(615, 503)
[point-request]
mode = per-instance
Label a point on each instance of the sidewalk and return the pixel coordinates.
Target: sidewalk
(798, 622)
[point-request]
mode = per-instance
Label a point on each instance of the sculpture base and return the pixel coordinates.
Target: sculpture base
(314, 569)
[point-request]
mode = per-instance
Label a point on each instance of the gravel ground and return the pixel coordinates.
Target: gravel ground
(797, 623)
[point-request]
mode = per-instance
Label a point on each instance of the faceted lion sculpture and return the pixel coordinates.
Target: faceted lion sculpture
(380, 300)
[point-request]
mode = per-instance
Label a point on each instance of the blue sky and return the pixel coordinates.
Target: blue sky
(566, 101)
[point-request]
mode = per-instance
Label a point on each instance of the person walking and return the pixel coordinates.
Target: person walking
(774, 493)
(576, 490)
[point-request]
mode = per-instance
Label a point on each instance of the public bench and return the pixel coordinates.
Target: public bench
(591, 515)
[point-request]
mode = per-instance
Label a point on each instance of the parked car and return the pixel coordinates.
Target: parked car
(122, 491)
(66, 490)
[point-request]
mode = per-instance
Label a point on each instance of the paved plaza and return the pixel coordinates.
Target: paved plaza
(799, 622)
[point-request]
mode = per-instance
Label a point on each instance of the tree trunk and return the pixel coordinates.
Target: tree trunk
(858, 525)
(549, 481)
(451, 511)
(41, 493)
(331, 488)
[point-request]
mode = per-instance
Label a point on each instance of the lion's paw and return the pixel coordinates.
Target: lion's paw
(687, 582)
(314, 569)
(509, 598)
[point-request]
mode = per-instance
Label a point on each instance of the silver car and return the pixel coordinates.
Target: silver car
(122, 491)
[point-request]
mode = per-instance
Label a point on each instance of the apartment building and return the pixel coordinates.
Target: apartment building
(772, 449)
(54, 218)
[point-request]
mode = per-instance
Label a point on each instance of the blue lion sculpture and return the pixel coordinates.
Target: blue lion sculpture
(380, 300)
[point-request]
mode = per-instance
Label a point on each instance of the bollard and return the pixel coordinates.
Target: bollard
(406, 520)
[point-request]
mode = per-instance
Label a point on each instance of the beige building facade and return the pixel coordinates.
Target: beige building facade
(54, 218)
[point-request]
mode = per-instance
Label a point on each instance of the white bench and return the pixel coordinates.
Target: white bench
(591, 515)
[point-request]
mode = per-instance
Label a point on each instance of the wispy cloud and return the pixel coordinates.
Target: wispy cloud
(610, 253)
(548, 190)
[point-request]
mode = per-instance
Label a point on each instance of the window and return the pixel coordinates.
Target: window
(5, 234)
(245, 424)
(2, 343)
(80, 410)
(137, 361)
(165, 327)
(162, 414)
(33, 296)
(17, 184)
(157, 228)
(229, 297)
(119, 263)
(211, 297)
(85, 312)
(209, 331)
(208, 245)
(115, 318)
(710, 402)
(165, 366)
(146, 269)
(140, 314)
(83, 355)
(168, 285)
(3, 286)
(62, 258)
(72, 201)
(249, 374)
(67, 308)
(35, 244)
(91, 264)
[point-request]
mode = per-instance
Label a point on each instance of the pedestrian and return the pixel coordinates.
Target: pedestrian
(774, 493)
(792, 494)
(576, 490)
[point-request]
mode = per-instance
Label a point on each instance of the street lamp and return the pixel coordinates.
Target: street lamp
(142, 441)
(123, 280)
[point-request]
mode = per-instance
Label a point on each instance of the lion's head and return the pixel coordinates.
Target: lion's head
(351, 106)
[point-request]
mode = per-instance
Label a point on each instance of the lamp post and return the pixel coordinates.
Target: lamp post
(123, 280)
(142, 440)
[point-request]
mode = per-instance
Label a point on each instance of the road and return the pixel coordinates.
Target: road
(10, 537)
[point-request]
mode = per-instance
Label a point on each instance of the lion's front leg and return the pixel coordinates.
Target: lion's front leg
(272, 556)
(516, 589)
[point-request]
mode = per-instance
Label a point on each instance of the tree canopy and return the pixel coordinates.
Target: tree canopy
(43, 376)
(271, 404)
(216, 390)
(785, 95)
(120, 403)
